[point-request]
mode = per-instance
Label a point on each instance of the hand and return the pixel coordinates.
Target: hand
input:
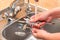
(41, 16)
(42, 34)
(47, 16)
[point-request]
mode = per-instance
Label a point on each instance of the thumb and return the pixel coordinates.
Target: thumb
(35, 31)
(49, 19)
(35, 17)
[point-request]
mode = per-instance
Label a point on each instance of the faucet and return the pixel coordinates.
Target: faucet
(16, 8)
(28, 10)
(13, 10)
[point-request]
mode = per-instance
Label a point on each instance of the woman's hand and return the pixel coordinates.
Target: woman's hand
(42, 34)
(46, 16)
(41, 16)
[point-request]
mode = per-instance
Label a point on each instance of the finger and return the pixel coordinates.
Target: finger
(32, 17)
(35, 18)
(39, 33)
(49, 19)
(39, 25)
(35, 31)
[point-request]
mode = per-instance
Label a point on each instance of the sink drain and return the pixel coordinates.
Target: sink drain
(20, 33)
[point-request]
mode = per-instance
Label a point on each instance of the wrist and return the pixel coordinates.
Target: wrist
(48, 36)
(55, 11)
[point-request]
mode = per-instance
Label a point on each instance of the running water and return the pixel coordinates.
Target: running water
(36, 7)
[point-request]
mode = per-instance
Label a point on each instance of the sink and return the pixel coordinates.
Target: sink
(53, 28)
(16, 32)
(9, 32)
(13, 31)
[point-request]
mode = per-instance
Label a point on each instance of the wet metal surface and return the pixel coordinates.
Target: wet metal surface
(9, 32)
(53, 28)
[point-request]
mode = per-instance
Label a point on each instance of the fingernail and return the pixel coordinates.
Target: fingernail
(31, 19)
(35, 24)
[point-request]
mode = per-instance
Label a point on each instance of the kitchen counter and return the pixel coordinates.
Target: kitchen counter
(2, 25)
(49, 4)
(5, 3)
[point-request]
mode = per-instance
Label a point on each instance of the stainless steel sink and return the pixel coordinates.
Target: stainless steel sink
(53, 28)
(16, 32)
(9, 32)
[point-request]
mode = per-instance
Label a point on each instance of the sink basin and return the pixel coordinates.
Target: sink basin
(9, 32)
(15, 32)
(53, 28)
